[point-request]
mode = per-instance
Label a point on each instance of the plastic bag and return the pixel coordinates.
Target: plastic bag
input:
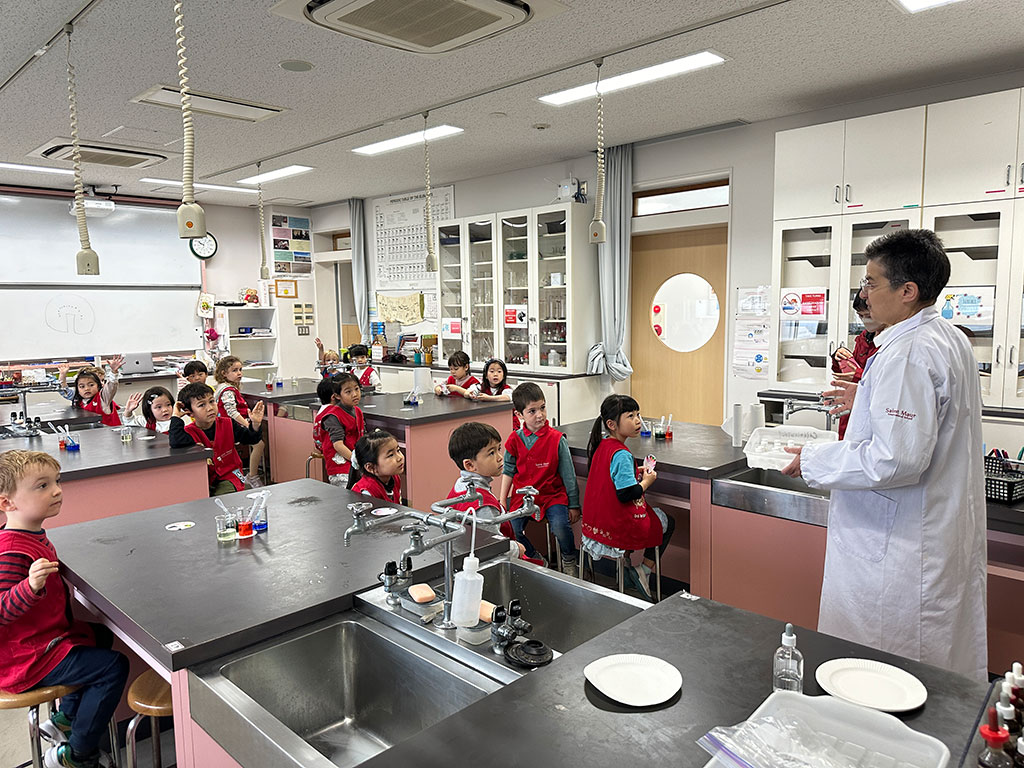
(774, 741)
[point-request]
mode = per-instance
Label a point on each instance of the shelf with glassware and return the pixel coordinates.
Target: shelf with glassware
(546, 265)
(257, 351)
(466, 291)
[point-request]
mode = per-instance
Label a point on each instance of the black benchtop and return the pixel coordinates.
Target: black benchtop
(57, 410)
(477, 370)
(390, 408)
(553, 717)
(697, 450)
(185, 587)
(1006, 518)
(103, 453)
(258, 390)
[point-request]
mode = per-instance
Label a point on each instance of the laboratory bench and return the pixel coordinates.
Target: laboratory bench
(221, 602)
(54, 409)
(107, 477)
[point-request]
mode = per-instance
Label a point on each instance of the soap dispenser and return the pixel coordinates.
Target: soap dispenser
(467, 593)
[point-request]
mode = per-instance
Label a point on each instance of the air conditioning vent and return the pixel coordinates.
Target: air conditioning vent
(420, 26)
(99, 154)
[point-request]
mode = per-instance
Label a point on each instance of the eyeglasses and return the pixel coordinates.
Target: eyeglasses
(867, 286)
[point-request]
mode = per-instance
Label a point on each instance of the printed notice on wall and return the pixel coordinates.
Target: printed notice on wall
(751, 342)
(804, 303)
(752, 302)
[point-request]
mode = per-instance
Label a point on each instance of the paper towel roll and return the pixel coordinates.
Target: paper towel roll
(421, 380)
(737, 425)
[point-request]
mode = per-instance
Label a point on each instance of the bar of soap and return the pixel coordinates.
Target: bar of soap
(486, 608)
(421, 593)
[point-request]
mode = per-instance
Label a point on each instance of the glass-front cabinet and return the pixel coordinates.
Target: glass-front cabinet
(483, 293)
(450, 239)
(516, 243)
(552, 299)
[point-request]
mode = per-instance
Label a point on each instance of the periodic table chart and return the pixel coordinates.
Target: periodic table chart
(400, 237)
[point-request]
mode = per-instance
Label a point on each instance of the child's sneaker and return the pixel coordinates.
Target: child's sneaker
(635, 577)
(253, 481)
(61, 756)
(570, 567)
(57, 729)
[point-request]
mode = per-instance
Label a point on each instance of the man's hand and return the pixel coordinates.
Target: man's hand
(39, 571)
(841, 398)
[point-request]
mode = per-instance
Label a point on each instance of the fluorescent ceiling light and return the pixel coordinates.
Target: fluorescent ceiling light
(209, 104)
(280, 173)
(36, 169)
(437, 132)
(914, 6)
(639, 77)
(197, 185)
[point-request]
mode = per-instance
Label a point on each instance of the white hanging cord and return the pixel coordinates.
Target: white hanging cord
(188, 194)
(597, 228)
(428, 200)
(264, 270)
(76, 152)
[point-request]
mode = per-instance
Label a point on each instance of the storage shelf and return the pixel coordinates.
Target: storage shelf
(553, 343)
(517, 237)
(490, 304)
(487, 279)
(259, 365)
(553, 234)
(816, 260)
(546, 257)
(483, 263)
(480, 242)
(483, 330)
(252, 336)
(521, 343)
(516, 288)
(552, 287)
(554, 320)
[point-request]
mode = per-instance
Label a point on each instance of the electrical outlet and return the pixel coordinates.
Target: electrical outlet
(303, 330)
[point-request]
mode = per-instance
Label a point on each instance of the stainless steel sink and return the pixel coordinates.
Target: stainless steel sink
(336, 693)
(768, 492)
(769, 478)
(565, 613)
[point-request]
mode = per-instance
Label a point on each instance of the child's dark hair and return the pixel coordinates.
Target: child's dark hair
(458, 360)
(469, 439)
(341, 379)
(327, 388)
(485, 384)
(195, 366)
(612, 408)
(89, 372)
(526, 393)
(358, 350)
(367, 451)
(149, 396)
(195, 391)
(859, 304)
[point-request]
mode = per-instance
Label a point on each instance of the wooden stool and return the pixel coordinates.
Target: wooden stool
(314, 455)
(621, 570)
(149, 696)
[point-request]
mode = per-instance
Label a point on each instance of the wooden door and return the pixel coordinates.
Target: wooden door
(689, 385)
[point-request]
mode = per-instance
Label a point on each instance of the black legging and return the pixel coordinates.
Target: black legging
(649, 552)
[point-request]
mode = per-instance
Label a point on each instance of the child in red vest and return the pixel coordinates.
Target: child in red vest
(217, 432)
(461, 381)
(376, 467)
(94, 390)
(863, 350)
(157, 408)
(495, 387)
(538, 455)
(616, 517)
(476, 450)
(368, 377)
(338, 425)
(231, 403)
(40, 644)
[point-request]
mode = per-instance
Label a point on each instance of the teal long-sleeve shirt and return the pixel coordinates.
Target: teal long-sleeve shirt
(566, 470)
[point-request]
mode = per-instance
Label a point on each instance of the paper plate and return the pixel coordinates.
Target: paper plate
(383, 511)
(634, 679)
(871, 684)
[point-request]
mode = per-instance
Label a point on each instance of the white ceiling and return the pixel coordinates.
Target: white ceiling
(793, 57)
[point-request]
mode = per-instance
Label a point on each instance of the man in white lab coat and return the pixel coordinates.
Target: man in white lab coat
(905, 562)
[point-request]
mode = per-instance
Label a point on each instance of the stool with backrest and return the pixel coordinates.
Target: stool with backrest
(148, 696)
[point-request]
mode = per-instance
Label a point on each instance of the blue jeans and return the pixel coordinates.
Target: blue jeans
(100, 674)
(558, 518)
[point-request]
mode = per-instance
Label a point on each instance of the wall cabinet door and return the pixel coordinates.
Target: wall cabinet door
(979, 297)
(971, 149)
(1019, 183)
(809, 171)
(482, 287)
(884, 161)
(1013, 372)
(515, 235)
(451, 237)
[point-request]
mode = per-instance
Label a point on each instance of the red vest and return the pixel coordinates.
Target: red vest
(629, 525)
(354, 428)
(372, 485)
(537, 466)
(364, 380)
(226, 463)
(465, 385)
(488, 499)
(151, 425)
(243, 407)
(486, 389)
(863, 350)
(96, 406)
(38, 641)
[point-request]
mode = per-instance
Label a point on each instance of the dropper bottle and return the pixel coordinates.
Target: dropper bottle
(788, 665)
(1008, 715)
(995, 738)
(1016, 677)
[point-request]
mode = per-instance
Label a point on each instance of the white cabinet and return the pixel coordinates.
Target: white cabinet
(466, 287)
(809, 171)
(884, 161)
(1013, 373)
(971, 149)
(249, 333)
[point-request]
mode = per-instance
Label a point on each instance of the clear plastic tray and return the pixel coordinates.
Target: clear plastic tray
(765, 448)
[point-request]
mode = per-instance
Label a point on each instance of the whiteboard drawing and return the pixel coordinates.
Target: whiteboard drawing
(70, 313)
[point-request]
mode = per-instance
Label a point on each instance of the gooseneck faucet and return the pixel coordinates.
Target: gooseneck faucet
(793, 406)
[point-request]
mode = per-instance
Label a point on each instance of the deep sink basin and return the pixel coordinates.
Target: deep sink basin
(769, 478)
(349, 688)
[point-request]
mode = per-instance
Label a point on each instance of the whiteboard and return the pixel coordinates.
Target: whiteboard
(47, 323)
(137, 245)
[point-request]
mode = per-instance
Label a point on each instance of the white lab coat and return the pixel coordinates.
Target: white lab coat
(905, 562)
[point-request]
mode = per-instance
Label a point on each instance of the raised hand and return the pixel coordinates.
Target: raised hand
(133, 402)
(116, 363)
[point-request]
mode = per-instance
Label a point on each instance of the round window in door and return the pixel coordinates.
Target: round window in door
(685, 312)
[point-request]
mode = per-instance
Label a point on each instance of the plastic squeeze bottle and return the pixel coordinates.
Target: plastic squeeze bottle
(788, 665)
(995, 738)
(467, 593)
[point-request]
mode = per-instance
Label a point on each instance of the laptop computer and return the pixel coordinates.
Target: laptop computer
(139, 362)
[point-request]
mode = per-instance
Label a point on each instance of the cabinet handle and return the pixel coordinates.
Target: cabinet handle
(1013, 349)
(847, 193)
(999, 352)
(831, 348)
(1021, 173)
(1009, 170)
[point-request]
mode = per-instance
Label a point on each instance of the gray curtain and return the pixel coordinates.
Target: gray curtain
(613, 266)
(360, 267)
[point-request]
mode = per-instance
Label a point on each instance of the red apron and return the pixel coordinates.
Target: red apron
(354, 428)
(863, 350)
(626, 525)
(372, 484)
(96, 406)
(465, 385)
(37, 642)
(226, 463)
(537, 466)
(489, 499)
(364, 380)
(243, 407)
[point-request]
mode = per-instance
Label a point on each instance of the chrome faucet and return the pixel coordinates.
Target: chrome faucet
(793, 406)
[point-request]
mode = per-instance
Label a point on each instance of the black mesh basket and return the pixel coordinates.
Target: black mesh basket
(1004, 479)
